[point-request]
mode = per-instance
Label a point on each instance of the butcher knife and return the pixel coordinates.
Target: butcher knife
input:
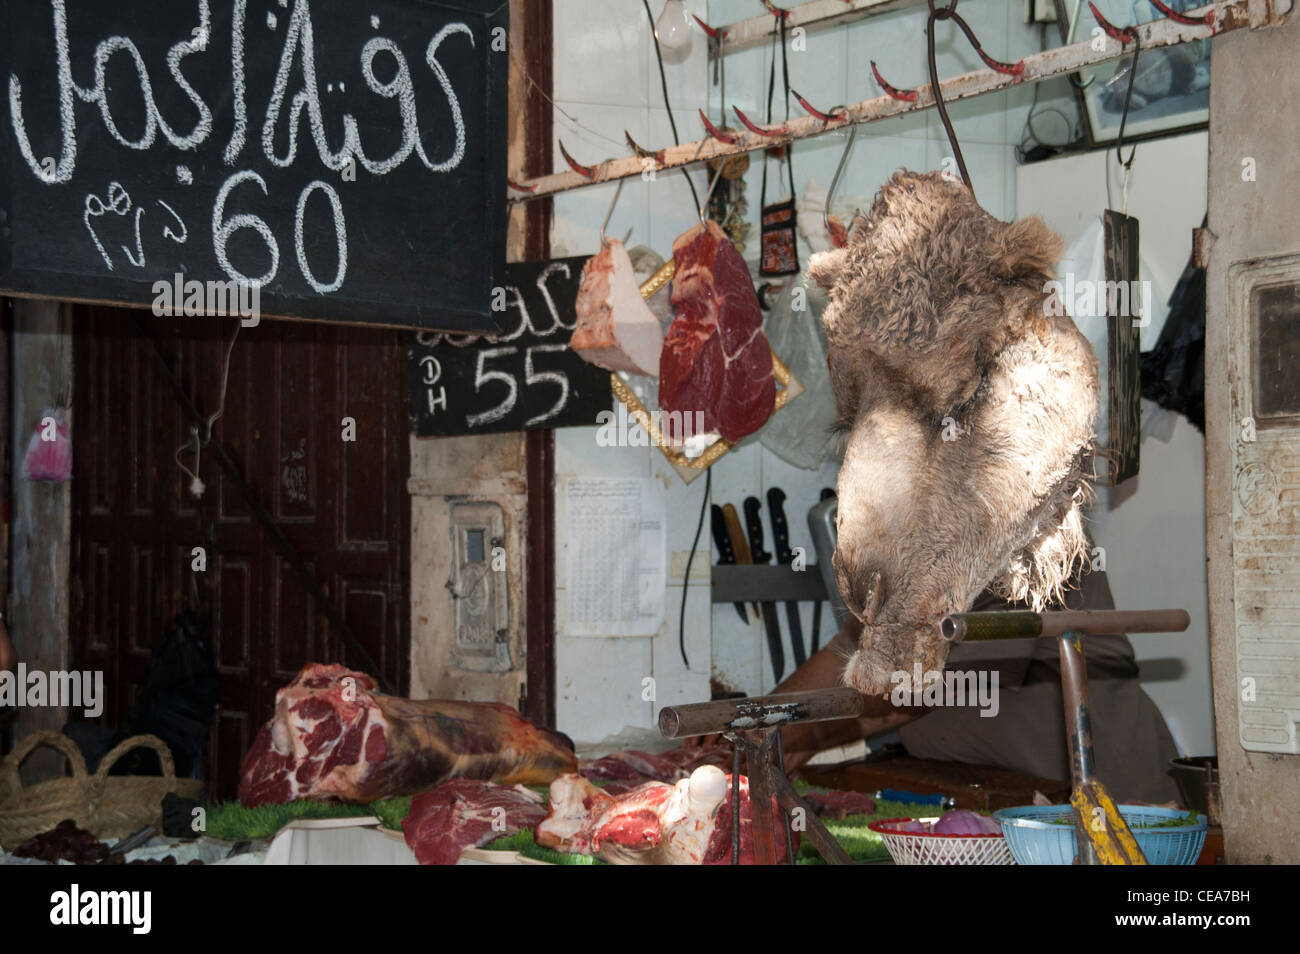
(739, 545)
(817, 607)
(754, 521)
(726, 555)
(785, 557)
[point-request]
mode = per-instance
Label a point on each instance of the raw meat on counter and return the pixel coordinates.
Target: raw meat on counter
(615, 328)
(467, 813)
(334, 737)
(716, 359)
(625, 770)
(688, 823)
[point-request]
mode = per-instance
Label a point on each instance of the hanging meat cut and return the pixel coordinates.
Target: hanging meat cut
(716, 359)
(334, 737)
(615, 328)
(467, 813)
(688, 823)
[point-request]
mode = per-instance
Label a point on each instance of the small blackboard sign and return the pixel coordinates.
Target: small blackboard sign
(523, 378)
(344, 161)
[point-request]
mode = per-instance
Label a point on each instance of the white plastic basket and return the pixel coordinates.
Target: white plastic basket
(922, 848)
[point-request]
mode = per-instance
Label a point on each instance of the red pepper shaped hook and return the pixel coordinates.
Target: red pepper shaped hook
(1207, 20)
(756, 129)
(906, 95)
(713, 33)
(587, 172)
(521, 188)
(717, 133)
(813, 111)
(1011, 69)
(656, 155)
(1124, 36)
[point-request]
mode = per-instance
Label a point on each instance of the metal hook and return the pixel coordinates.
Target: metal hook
(722, 137)
(827, 117)
(709, 195)
(1207, 20)
(587, 172)
(617, 192)
(893, 92)
(835, 180)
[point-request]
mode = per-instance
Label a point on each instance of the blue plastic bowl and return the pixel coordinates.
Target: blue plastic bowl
(1035, 838)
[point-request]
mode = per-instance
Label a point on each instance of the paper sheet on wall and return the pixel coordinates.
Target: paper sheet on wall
(617, 557)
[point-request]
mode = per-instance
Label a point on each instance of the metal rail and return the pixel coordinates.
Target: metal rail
(754, 726)
(1157, 34)
(1101, 834)
(815, 15)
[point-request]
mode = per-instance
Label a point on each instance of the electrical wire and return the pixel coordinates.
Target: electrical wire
(573, 120)
(199, 442)
(690, 558)
(1029, 137)
(663, 83)
(1123, 122)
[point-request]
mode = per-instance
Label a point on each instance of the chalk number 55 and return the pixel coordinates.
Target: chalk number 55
(532, 377)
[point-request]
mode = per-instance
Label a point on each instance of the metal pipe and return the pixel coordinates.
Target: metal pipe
(758, 754)
(1078, 732)
(758, 712)
(975, 627)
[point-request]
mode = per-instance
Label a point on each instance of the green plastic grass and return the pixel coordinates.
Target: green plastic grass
(231, 821)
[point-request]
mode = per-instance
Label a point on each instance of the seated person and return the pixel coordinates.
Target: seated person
(1133, 745)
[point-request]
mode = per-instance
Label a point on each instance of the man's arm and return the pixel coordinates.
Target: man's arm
(825, 671)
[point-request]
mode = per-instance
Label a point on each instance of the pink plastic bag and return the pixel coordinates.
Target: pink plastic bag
(49, 452)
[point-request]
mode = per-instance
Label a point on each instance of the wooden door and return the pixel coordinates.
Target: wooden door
(342, 504)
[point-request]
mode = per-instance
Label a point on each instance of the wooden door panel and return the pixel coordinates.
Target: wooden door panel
(343, 506)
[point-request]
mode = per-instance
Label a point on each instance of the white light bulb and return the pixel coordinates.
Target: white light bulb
(674, 32)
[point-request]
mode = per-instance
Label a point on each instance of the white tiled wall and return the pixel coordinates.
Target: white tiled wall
(607, 79)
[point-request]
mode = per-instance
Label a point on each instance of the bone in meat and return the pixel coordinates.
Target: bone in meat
(615, 328)
(334, 737)
(688, 823)
(716, 360)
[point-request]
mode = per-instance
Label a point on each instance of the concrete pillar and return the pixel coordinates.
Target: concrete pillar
(41, 515)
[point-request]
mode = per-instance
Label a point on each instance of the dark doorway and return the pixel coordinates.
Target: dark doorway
(342, 504)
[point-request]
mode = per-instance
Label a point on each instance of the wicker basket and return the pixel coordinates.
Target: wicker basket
(927, 848)
(29, 810)
(108, 806)
(126, 803)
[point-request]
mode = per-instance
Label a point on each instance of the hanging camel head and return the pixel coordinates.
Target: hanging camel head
(967, 406)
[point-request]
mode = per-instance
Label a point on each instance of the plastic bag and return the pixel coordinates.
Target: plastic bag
(1173, 372)
(800, 433)
(49, 452)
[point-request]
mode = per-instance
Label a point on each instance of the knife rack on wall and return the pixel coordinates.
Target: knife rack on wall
(767, 584)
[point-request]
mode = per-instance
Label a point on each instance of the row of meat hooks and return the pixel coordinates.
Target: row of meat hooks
(839, 116)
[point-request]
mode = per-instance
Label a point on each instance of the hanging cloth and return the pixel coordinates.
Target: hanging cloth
(780, 252)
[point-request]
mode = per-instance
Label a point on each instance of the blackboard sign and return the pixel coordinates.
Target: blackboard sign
(324, 159)
(1123, 345)
(525, 377)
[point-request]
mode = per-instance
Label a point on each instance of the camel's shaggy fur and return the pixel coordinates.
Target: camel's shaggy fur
(969, 413)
